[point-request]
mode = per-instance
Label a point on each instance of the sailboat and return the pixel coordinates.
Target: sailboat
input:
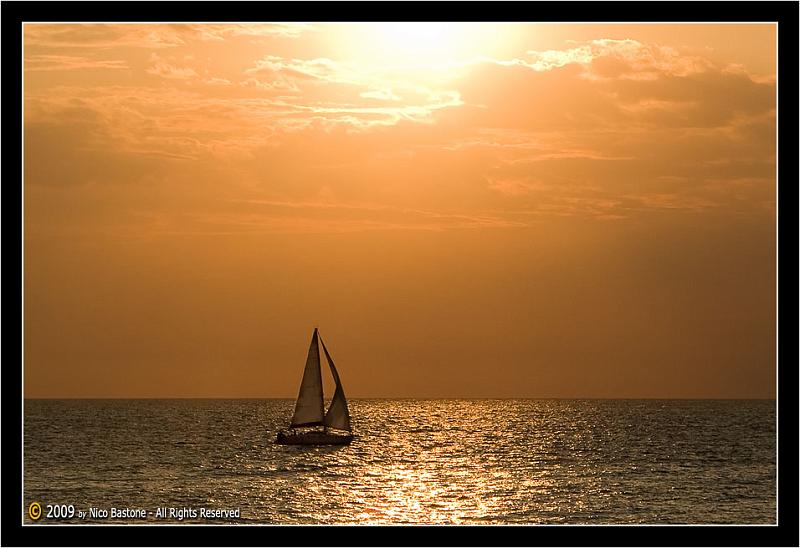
(309, 411)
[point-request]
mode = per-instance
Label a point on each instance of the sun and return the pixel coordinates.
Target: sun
(416, 37)
(416, 47)
(418, 44)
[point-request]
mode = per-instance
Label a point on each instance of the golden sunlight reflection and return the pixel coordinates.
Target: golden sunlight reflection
(426, 491)
(414, 495)
(437, 480)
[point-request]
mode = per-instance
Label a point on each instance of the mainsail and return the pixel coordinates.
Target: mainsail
(310, 409)
(338, 416)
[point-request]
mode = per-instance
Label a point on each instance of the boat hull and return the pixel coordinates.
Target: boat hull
(313, 438)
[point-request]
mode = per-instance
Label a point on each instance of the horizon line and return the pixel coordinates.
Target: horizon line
(773, 398)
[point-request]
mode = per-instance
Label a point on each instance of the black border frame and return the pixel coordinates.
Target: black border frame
(786, 533)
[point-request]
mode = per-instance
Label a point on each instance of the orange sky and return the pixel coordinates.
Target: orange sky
(502, 210)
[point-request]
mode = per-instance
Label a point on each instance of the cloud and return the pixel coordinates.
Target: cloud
(616, 59)
(551, 59)
(150, 36)
(272, 216)
(319, 68)
(71, 62)
(101, 36)
(643, 90)
(161, 67)
(630, 59)
(604, 129)
(339, 93)
(219, 32)
(380, 94)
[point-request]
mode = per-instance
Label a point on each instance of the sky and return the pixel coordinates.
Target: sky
(464, 210)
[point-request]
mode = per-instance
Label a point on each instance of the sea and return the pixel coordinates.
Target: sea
(482, 461)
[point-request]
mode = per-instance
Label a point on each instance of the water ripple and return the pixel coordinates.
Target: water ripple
(427, 461)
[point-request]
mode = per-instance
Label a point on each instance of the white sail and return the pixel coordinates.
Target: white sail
(310, 409)
(338, 416)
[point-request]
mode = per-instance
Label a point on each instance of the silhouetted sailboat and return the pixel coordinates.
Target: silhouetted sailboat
(309, 412)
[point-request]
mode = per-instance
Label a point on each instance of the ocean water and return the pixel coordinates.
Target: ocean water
(413, 462)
